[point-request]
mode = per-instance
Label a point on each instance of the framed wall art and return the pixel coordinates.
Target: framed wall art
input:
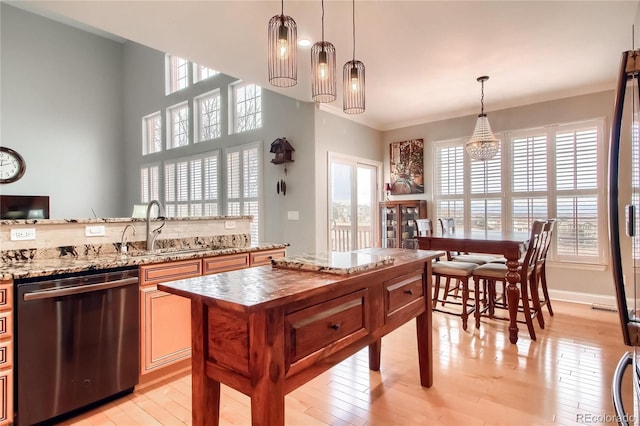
(407, 167)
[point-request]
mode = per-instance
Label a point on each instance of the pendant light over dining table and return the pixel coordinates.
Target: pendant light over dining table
(353, 78)
(283, 38)
(483, 145)
(323, 67)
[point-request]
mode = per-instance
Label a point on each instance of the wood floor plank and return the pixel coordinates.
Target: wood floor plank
(480, 378)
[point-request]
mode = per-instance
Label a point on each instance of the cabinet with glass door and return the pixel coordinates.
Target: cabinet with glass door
(398, 227)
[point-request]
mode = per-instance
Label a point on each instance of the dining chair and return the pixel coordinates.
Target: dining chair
(540, 272)
(492, 273)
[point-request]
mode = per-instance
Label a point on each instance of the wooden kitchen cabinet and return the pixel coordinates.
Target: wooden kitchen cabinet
(6, 352)
(398, 227)
(165, 328)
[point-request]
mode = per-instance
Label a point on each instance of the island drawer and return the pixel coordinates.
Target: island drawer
(264, 257)
(170, 271)
(212, 265)
(336, 322)
(401, 292)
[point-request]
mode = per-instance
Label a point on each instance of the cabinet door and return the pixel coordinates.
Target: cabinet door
(6, 397)
(389, 217)
(231, 262)
(165, 328)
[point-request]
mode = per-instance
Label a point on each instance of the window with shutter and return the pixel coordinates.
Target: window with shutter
(551, 172)
(149, 183)
(243, 184)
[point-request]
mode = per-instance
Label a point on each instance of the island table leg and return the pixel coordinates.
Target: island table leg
(205, 392)
(424, 331)
(266, 367)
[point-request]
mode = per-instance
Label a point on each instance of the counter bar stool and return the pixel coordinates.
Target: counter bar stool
(540, 272)
(496, 272)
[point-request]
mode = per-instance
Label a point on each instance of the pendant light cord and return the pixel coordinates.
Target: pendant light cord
(482, 99)
(282, 7)
(322, 24)
(353, 14)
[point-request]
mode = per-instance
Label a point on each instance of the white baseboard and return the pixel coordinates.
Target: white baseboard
(586, 298)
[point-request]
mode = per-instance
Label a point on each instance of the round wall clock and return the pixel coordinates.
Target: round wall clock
(12, 165)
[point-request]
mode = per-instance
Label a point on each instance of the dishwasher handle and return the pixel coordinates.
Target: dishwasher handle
(69, 291)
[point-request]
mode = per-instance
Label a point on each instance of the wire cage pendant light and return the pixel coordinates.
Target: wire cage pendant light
(323, 67)
(283, 39)
(483, 145)
(353, 78)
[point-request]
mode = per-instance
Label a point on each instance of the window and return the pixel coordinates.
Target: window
(176, 73)
(191, 186)
(200, 72)
(550, 172)
(208, 116)
(178, 128)
(247, 101)
(152, 133)
(243, 184)
(149, 183)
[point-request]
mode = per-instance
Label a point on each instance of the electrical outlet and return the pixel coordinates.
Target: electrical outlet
(293, 215)
(229, 224)
(23, 234)
(94, 231)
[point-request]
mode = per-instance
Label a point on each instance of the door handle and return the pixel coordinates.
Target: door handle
(69, 291)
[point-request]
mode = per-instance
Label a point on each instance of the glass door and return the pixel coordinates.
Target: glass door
(352, 203)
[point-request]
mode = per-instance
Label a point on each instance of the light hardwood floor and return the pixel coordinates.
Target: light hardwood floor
(480, 378)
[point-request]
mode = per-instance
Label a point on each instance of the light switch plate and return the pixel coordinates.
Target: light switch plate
(293, 215)
(94, 231)
(23, 234)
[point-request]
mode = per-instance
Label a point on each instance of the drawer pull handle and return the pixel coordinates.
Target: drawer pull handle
(336, 327)
(409, 292)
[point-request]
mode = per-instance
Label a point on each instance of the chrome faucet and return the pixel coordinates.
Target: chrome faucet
(123, 239)
(153, 234)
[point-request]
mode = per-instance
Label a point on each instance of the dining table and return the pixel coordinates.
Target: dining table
(511, 245)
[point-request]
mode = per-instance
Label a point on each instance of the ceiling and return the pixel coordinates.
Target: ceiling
(422, 57)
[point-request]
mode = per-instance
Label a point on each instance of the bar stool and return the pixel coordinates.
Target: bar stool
(491, 273)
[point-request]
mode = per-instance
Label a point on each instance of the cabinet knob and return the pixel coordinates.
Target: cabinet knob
(336, 327)
(409, 292)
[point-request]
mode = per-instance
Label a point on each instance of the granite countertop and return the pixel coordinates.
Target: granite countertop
(114, 220)
(254, 288)
(68, 264)
(341, 263)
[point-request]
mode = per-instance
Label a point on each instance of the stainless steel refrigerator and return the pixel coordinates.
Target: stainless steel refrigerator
(624, 232)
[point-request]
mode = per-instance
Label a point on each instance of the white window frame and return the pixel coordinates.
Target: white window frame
(174, 67)
(507, 196)
(217, 116)
(201, 72)
(237, 106)
(172, 135)
(152, 138)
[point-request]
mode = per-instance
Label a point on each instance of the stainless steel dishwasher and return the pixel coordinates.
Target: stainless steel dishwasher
(76, 341)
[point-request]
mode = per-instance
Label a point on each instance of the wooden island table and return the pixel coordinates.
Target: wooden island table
(267, 330)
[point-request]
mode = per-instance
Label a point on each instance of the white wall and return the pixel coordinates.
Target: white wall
(60, 109)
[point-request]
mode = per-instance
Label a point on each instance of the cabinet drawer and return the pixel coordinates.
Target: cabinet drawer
(6, 397)
(335, 322)
(6, 354)
(230, 262)
(170, 271)
(264, 257)
(6, 325)
(401, 291)
(6, 295)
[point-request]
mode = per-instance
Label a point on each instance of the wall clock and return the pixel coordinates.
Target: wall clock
(12, 165)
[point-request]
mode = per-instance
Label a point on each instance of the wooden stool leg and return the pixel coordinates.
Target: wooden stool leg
(535, 298)
(465, 298)
(436, 290)
(545, 292)
(527, 310)
(476, 288)
(447, 285)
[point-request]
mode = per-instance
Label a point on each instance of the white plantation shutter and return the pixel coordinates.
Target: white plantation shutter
(149, 182)
(243, 184)
(450, 170)
(210, 179)
(577, 196)
(486, 176)
(529, 180)
(485, 196)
